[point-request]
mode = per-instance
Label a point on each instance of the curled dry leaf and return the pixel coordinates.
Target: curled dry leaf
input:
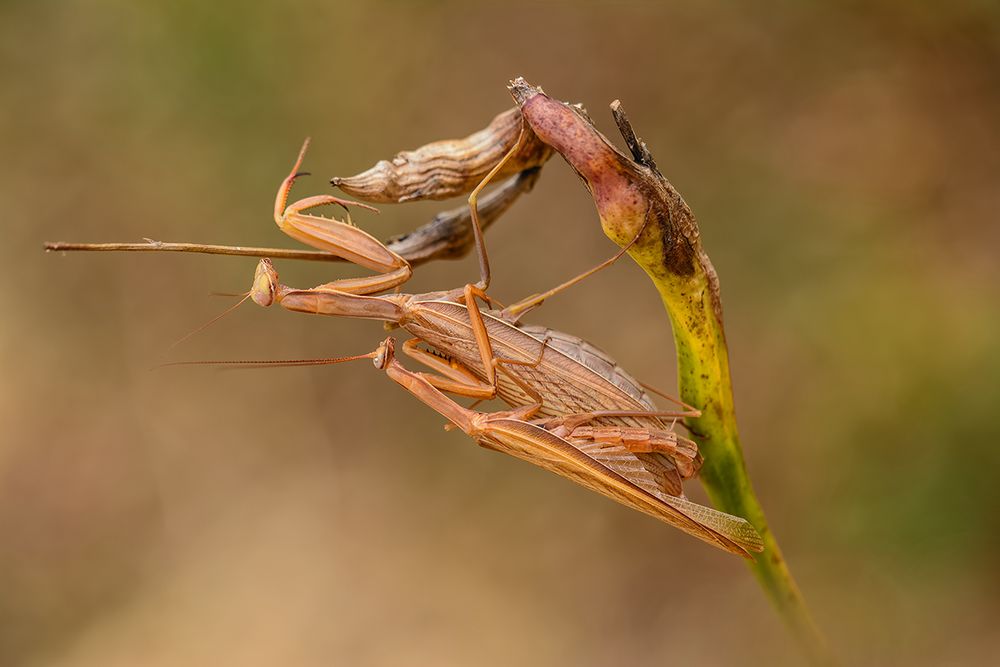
(449, 168)
(449, 234)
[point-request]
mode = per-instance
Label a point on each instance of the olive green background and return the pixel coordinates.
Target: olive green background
(843, 160)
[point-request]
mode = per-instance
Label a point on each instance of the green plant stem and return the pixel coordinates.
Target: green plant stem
(638, 205)
(704, 380)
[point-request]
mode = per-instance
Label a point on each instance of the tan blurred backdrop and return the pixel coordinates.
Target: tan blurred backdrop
(843, 160)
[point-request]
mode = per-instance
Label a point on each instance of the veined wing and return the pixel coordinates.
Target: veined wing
(568, 385)
(572, 376)
(616, 473)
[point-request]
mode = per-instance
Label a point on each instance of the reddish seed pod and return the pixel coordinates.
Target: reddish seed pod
(628, 193)
(445, 169)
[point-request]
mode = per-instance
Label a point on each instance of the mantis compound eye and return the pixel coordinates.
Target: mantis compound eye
(265, 283)
(384, 354)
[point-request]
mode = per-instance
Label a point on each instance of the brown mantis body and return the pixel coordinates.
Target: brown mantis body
(560, 373)
(606, 466)
(628, 453)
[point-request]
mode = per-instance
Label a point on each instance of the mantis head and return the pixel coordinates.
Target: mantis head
(265, 283)
(384, 353)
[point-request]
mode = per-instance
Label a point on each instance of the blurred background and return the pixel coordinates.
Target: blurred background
(842, 159)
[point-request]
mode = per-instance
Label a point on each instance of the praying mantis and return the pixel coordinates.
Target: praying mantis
(555, 383)
(606, 465)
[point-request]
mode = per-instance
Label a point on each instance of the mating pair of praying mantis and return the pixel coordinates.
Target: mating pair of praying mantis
(574, 411)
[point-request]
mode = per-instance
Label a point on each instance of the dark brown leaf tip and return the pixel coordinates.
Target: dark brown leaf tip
(628, 191)
(522, 91)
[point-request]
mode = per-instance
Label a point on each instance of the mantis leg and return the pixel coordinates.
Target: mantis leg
(339, 238)
(610, 471)
(682, 452)
(456, 378)
(634, 439)
(448, 236)
(477, 227)
(479, 289)
(451, 376)
(492, 363)
(422, 385)
(515, 311)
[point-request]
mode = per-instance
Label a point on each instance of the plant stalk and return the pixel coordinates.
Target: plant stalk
(632, 195)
